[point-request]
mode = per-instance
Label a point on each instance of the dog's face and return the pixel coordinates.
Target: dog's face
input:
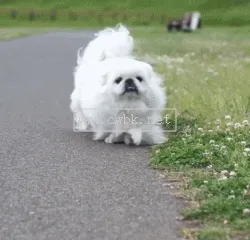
(128, 79)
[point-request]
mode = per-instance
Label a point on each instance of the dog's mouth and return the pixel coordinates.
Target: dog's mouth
(130, 87)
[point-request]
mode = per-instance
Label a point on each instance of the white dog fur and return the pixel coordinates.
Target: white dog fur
(108, 81)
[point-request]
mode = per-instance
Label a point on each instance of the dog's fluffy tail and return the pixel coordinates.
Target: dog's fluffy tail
(108, 43)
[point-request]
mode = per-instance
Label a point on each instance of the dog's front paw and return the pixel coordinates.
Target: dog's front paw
(111, 138)
(127, 139)
(80, 124)
(100, 136)
(136, 136)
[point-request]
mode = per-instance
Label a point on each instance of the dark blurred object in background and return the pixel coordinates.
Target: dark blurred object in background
(190, 23)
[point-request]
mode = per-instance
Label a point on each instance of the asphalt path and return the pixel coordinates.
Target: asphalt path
(58, 184)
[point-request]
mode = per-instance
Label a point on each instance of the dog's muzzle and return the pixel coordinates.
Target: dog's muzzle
(130, 86)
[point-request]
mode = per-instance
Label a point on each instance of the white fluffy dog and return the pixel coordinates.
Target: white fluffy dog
(116, 96)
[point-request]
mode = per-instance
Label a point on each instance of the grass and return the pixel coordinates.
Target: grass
(207, 79)
(223, 12)
(11, 33)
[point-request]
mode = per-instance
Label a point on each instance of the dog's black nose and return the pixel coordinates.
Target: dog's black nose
(130, 86)
(129, 82)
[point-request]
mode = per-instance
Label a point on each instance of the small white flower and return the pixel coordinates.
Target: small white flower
(243, 143)
(245, 192)
(245, 154)
(232, 173)
(212, 142)
(231, 197)
(223, 178)
(246, 212)
(223, 148)
(237, 125)
(217, 127)
(209, 166)
(245, 122)
(230, 124)
(229, 139)
(206, 153)
(227, 117)
(236, 165)
(223, 172)
(205, 182)
(247, 150)
(210, 131)
(217, 121)
(183, 139)
(200, 129)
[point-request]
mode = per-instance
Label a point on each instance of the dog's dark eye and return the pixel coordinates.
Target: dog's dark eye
(139, 79)
(118, 80)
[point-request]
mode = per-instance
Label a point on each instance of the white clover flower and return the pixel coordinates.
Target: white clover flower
(209, 167)
(246, 212)
(223, 172)
(245, 192)
(229, 139)
(212, 141)
(223, 178)
(245, 123)
(247, 150)
(183, 139)
(227, 117)
(236, 165)
(223, 148)
(217, 127)
(210, 131)
(230, 124)
(205, 182)
(245, 154)
(237, 125)
(200, 129)
(231, 197)
(232, 173)
(243, 143)
(217, 121)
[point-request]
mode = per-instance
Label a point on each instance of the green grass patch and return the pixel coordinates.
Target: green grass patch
(223, 12)
(207, 81)
(11, 33)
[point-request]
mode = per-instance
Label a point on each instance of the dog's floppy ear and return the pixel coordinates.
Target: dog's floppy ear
(153, 76)
(104, 78)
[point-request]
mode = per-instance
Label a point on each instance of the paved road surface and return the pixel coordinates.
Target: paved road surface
(57, 184)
